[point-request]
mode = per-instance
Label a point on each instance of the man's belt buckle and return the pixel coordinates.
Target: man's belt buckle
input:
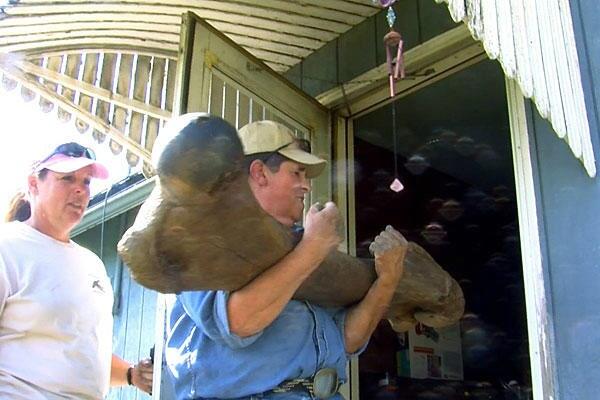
(325, 383)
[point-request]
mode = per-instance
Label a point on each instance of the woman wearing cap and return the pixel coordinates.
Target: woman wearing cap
(55, 297)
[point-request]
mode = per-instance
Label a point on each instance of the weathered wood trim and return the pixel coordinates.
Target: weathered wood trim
(442, 69)
(340, 175)
(353, 366)
(351, 174)
(538, 317)
(184, 65)
(416, 60)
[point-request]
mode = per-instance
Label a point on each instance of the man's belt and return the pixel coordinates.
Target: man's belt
(321, 386)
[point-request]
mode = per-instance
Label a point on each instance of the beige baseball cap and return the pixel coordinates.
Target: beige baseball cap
(271, 137)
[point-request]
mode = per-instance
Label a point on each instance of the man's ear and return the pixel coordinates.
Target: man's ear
(257, 172)
(32, 184)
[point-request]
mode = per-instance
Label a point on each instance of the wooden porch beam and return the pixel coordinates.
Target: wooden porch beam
(417, 58)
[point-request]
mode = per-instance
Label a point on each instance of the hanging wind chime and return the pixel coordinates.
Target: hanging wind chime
(393, 44)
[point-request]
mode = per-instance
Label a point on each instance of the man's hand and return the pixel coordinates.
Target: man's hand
(256, 305)
(320, 227)
(141, 375)
(389, 249)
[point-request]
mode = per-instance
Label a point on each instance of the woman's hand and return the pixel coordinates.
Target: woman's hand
(141, 375)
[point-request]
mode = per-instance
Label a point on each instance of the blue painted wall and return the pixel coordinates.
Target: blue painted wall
(569, 215)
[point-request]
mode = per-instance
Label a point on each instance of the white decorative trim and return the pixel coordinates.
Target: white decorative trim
(538, 325)
(534, 42)
(507, 44)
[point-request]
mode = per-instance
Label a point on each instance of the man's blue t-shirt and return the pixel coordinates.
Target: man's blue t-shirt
(205, 360)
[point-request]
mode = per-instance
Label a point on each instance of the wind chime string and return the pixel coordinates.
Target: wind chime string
(395, 139)
(395, 62)
(396, 185)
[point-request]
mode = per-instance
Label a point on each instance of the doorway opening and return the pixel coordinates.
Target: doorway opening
(453, 157)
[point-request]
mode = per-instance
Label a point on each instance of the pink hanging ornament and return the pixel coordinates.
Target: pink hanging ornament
(397, 186)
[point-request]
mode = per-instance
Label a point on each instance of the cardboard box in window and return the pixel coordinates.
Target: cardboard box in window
(428, 353)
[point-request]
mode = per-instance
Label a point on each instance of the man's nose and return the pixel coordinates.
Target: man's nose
(306, 184)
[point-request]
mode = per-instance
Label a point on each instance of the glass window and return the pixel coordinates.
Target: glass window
(453, 157)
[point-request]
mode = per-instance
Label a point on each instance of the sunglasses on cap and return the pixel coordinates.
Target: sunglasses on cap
(302, 144)
(71, 149)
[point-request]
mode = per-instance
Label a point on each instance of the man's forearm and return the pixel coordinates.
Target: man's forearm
(256, 305)
(362, 319)
(389, 249)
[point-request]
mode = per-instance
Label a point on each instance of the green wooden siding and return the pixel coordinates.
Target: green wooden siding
(135, 306)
